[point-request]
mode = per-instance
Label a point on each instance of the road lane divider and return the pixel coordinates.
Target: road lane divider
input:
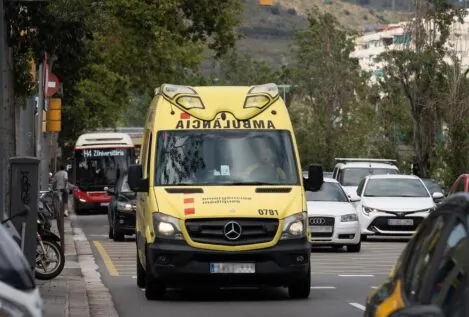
(359, 306)
(356, 275)
(111, 268)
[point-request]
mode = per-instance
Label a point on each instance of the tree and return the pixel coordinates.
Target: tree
(236, 68)
(332, 111)
(417, 72)
(108, 52)
(456, 95)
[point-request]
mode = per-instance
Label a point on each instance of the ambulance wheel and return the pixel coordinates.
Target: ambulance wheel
(154, 287)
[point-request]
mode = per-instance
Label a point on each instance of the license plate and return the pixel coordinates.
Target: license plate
(401, 222)
(232, 268)
(320, 228)
(104, 204)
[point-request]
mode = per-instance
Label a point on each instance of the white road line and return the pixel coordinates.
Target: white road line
(357, 305)
(374, 287)
(356, 275)
(134, 277)
(322, 287)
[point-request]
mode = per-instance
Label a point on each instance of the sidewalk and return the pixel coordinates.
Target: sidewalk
(78, 291)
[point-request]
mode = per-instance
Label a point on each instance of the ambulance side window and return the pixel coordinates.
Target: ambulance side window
(149, 147)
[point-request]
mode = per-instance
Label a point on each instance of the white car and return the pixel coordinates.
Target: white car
(19, 295)
(350, 171)
(393, 205)
(332, 218)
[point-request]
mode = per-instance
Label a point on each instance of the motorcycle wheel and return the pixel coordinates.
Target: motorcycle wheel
(55, 247)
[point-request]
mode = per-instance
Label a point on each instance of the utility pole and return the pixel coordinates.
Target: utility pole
(3, 113)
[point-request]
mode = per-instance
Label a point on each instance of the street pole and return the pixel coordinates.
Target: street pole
(3, 94)
(39, 135)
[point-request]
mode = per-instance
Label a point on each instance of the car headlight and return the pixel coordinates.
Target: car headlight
(11, 309)
(349, 218)
(368, 210)
(124, 206)
(166, 226)
(294, 226)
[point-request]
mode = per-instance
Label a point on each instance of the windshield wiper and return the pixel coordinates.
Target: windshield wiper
(250, 183)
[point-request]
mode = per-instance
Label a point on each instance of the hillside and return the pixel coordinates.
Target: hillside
(270, 30)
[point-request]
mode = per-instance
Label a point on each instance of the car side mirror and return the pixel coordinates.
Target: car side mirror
(315, 178)
(438, 196)
(354, 199)
(111, 191)
(419, 311)
(135, 179)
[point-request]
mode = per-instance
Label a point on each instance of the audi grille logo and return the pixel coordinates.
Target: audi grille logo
(317, 221)
(232, 230)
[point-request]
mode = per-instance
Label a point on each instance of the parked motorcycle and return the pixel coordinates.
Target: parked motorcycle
(50, 259)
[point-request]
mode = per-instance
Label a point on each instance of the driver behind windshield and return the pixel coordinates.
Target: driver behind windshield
(266, 167)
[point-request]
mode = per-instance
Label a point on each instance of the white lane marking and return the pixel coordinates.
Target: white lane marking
(134, 277)
(322, 287)
(374, 287)
(357, 305)
(356, 275)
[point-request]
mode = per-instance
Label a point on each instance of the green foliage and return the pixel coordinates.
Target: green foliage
(332, 111)
(241, 69)
(109, 52)
(417, 73)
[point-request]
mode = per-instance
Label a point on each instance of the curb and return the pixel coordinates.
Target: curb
(98, 296)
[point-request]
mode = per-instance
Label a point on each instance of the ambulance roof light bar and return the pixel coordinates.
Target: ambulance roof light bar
(270, 89)
(172, 91)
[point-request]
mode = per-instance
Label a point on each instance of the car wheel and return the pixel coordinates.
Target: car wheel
(118, 235)
(364, 237)
(354, 247)
(140, 273)
(154, 288)
(301, 288)
(76, 206)
(111, 232)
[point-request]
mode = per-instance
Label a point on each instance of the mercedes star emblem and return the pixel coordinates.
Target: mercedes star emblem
(317, 221)
(232, 230)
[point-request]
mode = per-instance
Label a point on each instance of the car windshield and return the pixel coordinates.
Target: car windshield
(328, 192)
(14, 269)
(352, 176)
(396, 187)
(432, 186)
(225, 158)
(98, 168)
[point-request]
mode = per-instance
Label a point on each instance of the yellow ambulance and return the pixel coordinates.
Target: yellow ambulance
(220, 192)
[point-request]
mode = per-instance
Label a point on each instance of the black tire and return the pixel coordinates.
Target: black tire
(140, 273)
(354, 247)
(61, 257)
(301, 288)
(154, 288)
(111, 232)
(364, 237)
(118, 235)
(76, 206)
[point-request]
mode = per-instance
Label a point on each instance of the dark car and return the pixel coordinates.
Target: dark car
(430, 278)
(121, 210)
(434, 187)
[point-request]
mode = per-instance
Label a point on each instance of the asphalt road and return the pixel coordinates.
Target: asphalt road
(340, 282)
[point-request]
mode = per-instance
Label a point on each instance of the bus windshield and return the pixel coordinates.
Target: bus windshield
(98, 168)
(225, 158)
